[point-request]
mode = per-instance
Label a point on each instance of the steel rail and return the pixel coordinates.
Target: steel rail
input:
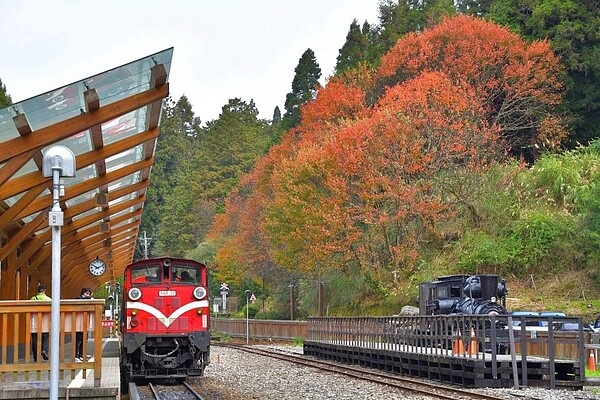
(397, 381)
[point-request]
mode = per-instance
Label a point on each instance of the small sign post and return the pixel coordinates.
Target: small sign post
(224, 290)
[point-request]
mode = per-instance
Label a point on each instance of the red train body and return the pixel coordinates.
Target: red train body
(165, 320)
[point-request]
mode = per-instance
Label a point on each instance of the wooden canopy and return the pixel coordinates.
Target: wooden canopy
(110, 121)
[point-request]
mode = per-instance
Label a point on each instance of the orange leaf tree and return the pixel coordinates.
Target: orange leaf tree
(518, 83)
(363, 195)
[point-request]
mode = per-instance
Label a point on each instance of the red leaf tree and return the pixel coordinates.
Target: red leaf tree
(518, 83)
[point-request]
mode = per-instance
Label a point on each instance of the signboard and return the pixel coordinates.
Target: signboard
(108, 323)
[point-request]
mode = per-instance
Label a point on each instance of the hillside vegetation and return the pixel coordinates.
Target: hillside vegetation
(407, 171)
(454, 137)
(443, 144)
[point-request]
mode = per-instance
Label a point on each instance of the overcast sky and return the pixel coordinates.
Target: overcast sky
(222, 48)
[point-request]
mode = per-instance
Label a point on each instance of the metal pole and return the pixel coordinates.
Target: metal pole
(263, 293)
(58, 161)
(320, 297)
(112, 316)
(292, 316)
(56, 245)
(247, 293)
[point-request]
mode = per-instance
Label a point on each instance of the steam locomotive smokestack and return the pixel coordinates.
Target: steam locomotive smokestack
(489, 286)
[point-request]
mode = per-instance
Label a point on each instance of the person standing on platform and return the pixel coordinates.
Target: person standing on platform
(41, 295)
(86, 293)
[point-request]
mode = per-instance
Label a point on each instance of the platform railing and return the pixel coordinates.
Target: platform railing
(483, 337)
(22, 318)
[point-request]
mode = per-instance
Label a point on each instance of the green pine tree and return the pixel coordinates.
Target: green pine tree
(5, 99)
(225, 150)
(572, 28)
(304, 88)
(180, 131)
(276, 116)
(356, 49)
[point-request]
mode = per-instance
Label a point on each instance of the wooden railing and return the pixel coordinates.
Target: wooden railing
(19, 319)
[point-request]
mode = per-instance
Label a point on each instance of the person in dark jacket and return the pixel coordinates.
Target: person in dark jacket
(86, 293)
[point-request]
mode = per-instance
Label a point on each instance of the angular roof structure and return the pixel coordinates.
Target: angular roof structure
(110, 121)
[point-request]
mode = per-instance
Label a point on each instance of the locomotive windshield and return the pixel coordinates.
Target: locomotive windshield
(145, 274)
(186, 274)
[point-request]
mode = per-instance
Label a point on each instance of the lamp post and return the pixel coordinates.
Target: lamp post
(292, 316)
(247, 293)
(117, 291)
(110, 299)
(58, 162)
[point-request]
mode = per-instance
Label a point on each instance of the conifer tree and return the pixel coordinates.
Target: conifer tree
(276, 115)
(304, 88)
(5, 99)
(180, 130)
(356, 48)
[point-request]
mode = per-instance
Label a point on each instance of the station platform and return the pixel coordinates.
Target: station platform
(477, 370)
(78, 387)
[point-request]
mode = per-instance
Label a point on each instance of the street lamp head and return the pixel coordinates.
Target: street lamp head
(59, 158)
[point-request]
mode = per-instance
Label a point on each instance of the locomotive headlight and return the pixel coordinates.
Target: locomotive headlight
(135, 294)
(199, 293)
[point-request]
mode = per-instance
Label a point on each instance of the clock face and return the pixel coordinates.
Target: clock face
(97, 267)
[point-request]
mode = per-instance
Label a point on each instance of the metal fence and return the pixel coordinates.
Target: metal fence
(260, 328)
(473, 336)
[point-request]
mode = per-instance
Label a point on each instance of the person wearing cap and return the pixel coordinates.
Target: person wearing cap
(41, 295)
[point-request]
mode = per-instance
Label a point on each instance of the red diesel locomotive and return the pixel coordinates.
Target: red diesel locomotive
(165, 320)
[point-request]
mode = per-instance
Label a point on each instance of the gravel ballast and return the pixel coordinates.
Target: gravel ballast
(240, 375)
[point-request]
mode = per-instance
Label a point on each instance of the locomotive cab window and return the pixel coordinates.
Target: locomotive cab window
(186, 274)
(145, 274)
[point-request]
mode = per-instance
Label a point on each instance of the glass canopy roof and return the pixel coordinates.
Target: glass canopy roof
(65, 104)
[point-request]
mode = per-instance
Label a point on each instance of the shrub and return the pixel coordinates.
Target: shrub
(252, 311)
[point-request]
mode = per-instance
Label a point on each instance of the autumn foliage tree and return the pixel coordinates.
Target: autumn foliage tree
(363, 197)
(376, 165)
(519, 84)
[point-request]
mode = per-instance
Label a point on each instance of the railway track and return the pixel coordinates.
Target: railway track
(181, 391)
(396, 381)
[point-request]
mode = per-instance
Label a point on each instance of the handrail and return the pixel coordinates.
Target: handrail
(19, 319)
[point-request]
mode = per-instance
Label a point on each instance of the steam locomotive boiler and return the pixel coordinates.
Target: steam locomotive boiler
(463, 294)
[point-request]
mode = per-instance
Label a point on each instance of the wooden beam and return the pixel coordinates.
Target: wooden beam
(39, 242)
(22, 124)
(82, 122)
(20, 236)
(10, 214)
(83, 187)
(25, 182)
(13, 165)
(77, 253)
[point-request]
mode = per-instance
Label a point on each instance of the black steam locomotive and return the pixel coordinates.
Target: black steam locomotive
(471, 303)
(463, 294)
